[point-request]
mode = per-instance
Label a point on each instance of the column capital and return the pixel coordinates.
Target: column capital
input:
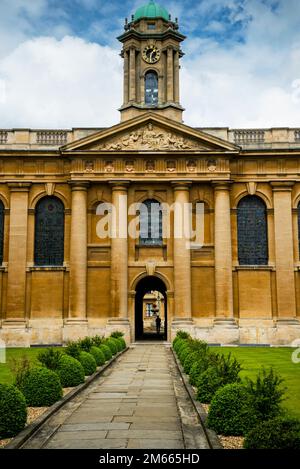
(79, 185)
(19, 186)
(222, 185)
(282, 186)
(181, 185)
(119, 185)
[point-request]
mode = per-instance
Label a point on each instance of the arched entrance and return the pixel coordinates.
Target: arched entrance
(150, 303)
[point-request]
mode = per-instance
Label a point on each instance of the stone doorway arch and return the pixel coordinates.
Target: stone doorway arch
(144, 287)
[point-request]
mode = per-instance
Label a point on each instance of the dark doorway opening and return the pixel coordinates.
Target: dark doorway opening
(150, 303)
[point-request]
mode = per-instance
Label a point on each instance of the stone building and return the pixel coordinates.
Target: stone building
(60, 280)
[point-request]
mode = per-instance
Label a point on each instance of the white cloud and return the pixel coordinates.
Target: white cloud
(51, 83)
(72, 82)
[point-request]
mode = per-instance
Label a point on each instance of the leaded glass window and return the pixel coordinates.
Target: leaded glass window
(252, 231)
(150, 223)
(1, 231)
(49, 232)
(151, 88)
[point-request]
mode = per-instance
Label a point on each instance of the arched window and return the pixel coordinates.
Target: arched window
(49, 232)
(1, 231)
(150, 223)
(252, 231)
(151, 89)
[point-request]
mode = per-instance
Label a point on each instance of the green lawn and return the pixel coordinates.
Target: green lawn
(253, 358)
(6, 375)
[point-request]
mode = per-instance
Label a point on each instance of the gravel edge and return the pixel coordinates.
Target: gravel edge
(212, 437)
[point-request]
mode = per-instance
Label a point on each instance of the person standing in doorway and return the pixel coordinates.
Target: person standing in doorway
(158, 323)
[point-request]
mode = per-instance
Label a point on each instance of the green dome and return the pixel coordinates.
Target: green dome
(151, 10)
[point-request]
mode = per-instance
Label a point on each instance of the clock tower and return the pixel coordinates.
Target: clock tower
(151, 53)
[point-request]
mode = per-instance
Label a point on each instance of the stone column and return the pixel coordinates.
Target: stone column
(119, 259)
(223, 255)
(78, 254)
(126, 77)
(176, 78)
(182, 256)
(285, 276)
(16, 280)
(170, 75)
(132, 75)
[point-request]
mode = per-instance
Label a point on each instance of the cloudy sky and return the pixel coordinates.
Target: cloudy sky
(60, 64)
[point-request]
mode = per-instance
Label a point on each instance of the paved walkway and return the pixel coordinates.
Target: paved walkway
(139, 402)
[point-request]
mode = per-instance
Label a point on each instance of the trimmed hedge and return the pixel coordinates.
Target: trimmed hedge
(122, 342)
(230, 412)
(98, 355)
(88, 362)
(13, 411)
(41, 387)
(207, 384)
(106, 351)
(278, 433)
(70, 371)
(110, 342)
(117, 344)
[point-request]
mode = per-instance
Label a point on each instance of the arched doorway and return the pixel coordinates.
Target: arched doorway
(150, 302)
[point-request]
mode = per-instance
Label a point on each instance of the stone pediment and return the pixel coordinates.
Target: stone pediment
(151, 133)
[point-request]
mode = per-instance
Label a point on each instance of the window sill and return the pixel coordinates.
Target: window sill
(254, 267)
(46, 268)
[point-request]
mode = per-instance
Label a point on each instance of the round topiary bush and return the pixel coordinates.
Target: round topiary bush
(70, 371)
(41, 387)
(111, 344)
(117, 344)
(201, 365)
(190, 359)
(88, 362)
(180, 345)
(177, 344)
(106, 351)
(207, 384)
(13, 411)
(122, 342)
(184, 352)
(98, 355)
(230, 411)
(278, 433)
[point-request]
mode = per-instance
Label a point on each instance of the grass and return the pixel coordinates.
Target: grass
(253, 359)
(6, 376)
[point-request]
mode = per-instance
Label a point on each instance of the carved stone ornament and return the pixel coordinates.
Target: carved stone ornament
(171, 166)
(89, 166)
(129, 166)
(211, 165)
(150, 166)
(109, 167)
(191, 166)
(150, 138)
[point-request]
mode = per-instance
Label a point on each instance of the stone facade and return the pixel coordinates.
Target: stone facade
(151, 154)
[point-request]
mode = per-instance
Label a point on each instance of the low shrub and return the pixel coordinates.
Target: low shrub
(106, 351)
(13, 411)
(88, 362)
(19, 368)
(183, 335)
(201, 365)
(230, 411)
(117, 334)
(122, 342)
(178, 344)
(97, 340)
(117, 343)
(73, 349)
(85, 344)
(70, 371)
(190, 360)
(41, 387)
(278, 433)
(111, 344)
(266, 394)
(207, 384)
(184, 351)
(98, 355)
(50, 358)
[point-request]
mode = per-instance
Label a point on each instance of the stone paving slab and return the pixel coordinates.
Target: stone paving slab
(133, 405)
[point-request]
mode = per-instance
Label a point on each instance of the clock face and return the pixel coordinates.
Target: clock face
(151, 54)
